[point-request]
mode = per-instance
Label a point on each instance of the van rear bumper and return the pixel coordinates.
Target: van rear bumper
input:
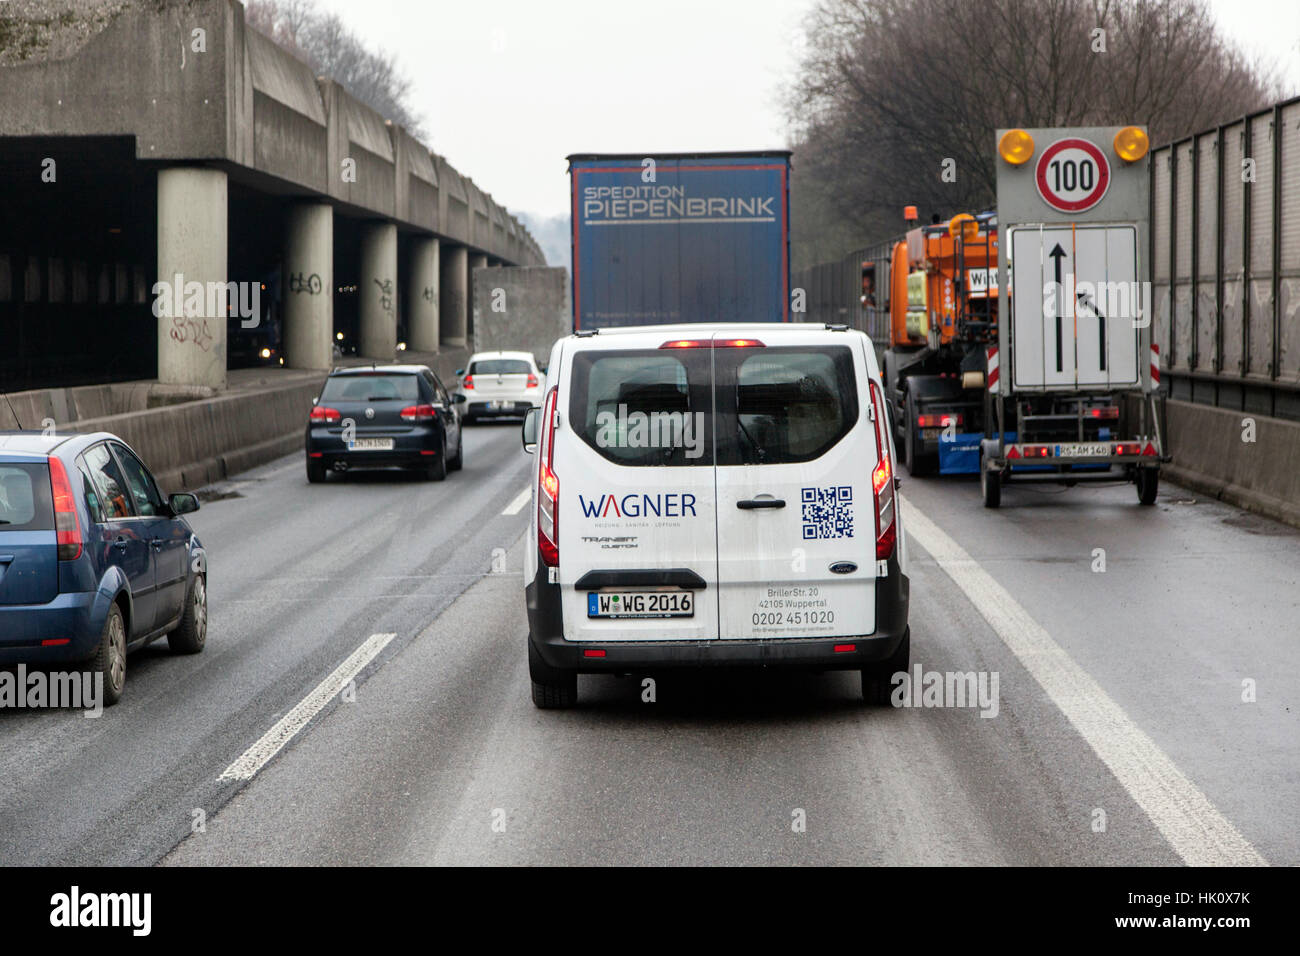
(546, 632)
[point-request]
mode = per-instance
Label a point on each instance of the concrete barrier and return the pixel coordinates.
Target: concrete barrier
(1212, 455)
(191, 445)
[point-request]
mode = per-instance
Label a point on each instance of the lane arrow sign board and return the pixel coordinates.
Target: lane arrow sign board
(1072, 175)
(1080, 315)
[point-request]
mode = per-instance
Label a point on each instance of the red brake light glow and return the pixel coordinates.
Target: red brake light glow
(713, 343)
(419, 413)
(67, 525)
(882, 483)
(548, 488)
(938, 421)
(468, 382)
(322, 414)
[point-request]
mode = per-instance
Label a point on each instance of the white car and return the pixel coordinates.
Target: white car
(499, 384)
(714, 494)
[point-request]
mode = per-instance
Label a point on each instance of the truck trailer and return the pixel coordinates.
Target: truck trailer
(661, 238)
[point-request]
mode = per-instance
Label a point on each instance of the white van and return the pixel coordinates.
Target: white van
(714, 494)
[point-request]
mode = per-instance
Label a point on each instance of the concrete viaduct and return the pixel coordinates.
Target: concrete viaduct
(179, 143)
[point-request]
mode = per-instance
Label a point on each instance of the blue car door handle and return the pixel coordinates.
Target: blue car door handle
(6, 559)
(156, 544)
(120, 543)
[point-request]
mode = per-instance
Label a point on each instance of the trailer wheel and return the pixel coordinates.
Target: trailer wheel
(1148, 483)
(990, 486)
(918, 465)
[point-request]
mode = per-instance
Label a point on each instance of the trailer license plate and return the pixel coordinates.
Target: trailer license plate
(625, 604)
(371, 444)
(1091, 449)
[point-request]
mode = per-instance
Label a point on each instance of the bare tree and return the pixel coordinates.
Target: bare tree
(324, 41)
(898, 100)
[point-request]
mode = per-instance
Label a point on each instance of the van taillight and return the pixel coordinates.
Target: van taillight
(322, 414)
(548, 489)
(882, 483)
(67, 526)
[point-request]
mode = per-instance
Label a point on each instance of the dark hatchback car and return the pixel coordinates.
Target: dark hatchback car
(387, 416)
(94, 561)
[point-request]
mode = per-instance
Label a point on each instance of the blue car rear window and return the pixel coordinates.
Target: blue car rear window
(25, 499)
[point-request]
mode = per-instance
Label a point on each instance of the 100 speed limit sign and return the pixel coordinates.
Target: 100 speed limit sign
(1072, 175)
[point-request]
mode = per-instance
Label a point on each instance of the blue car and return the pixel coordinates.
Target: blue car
(94, 561)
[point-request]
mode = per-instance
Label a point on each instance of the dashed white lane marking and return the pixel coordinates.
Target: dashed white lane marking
(517, 505)
(1198, 832)
(256, 757)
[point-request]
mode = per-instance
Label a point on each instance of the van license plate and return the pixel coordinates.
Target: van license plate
(371, 444)
(1092, 449)
(625, 604)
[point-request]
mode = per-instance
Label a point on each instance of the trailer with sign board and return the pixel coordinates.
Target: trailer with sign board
(1073, 378)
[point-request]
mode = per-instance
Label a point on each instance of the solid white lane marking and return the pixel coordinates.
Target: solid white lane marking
(517, 505)
(255, 757)
(1198, 832)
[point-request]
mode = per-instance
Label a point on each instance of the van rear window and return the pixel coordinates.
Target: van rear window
(644, 407)
(25, 502)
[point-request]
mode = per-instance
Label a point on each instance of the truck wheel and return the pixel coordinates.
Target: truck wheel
(878, 679)
(990, 486)
(1148, 483)
(918, 465)
(553, 689)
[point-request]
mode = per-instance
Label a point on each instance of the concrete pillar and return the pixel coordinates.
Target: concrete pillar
(191, 292)
(378, 290)
(309, 286)
(455, 295)
(422, 294)
(476, 261)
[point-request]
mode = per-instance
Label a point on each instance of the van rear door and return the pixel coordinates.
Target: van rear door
(796, 447)
(634, 461)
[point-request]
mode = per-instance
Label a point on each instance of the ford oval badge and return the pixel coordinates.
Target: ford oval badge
(843, 567)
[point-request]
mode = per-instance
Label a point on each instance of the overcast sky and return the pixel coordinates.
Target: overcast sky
(508, 88)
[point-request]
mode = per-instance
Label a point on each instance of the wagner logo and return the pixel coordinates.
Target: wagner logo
(639, 506)
(103, 909)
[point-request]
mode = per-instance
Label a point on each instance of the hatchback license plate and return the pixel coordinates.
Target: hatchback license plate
(625, 604)
(497, 406)
(371, 444)
(1093, 449)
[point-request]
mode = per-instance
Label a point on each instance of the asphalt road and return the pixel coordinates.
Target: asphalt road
(1120, 736)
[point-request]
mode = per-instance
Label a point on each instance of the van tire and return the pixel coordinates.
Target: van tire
(109, 659)
(553, 689)
(878, 679)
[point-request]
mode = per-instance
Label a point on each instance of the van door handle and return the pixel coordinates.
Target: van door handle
(749, 504)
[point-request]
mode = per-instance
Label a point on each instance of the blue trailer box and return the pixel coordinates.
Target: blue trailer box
(701, 237)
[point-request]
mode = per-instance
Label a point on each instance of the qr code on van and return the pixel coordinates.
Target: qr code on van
(828, 512)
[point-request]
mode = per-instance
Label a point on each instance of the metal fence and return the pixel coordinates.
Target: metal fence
(1225, 263)
(1225, 267)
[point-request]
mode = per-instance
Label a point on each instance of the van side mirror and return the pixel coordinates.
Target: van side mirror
(530, 429)
(183, 503)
